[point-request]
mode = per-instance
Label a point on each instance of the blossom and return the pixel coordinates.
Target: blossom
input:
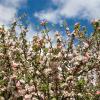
(14, 65)
(1, 54)
(38, 72)
(76, 63)
(70, 55)
(35, 67)
(27, 97)
(43, 22)
(31, 88)
(85, 44)
(59, 38)
(59, 55)
(68, 31)
(98, 57)
(70, 78)
(22, 92)
(1, 30)
(87, 55)
(2, 98)
(79, 58)
(98, 28)
(95, 21)
(47, 71)
(18, 85)
(80, 94)
(85, 59)
(98, 92)
(77, 25)
(22, 81)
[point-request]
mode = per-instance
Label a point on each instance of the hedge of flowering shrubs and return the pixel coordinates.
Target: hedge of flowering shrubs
(38, 70)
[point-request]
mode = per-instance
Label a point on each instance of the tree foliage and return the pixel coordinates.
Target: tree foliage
(37, 70)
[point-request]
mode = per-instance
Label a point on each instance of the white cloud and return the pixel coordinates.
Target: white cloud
(87, 9)
(8, 9)
(82, 8)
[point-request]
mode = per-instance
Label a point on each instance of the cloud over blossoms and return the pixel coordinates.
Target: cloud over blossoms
(8, 9)
(87, 9)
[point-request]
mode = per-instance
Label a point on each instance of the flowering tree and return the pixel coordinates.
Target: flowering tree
(33, 71)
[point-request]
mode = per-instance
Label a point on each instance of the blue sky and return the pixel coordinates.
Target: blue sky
(55, 11)
(34, 8)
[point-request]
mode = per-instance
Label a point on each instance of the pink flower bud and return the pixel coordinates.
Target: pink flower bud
(98, 92)
(87, 55)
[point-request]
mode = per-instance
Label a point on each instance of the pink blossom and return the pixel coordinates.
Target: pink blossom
(85, 59)
(1, 54)
(98, 92)
(22, 92)
(43, 22)
(28, 97)
(87, 55)
(18, 85)
(14, 65)
(31, 88)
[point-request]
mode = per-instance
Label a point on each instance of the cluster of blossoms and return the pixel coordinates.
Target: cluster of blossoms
(33, 71)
